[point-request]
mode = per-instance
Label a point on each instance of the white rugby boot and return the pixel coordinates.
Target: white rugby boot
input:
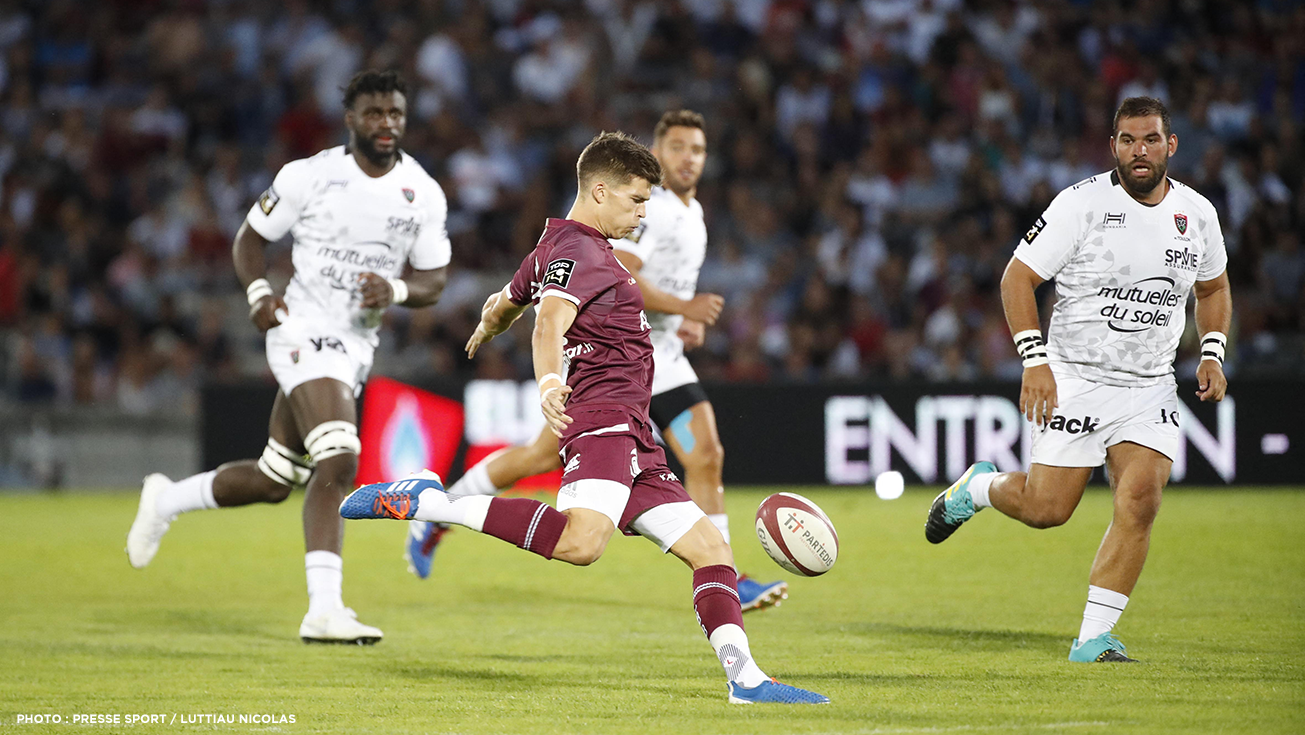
(148, 528)
(338, 626)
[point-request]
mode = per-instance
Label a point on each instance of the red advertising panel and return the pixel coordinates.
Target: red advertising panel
(405, 429)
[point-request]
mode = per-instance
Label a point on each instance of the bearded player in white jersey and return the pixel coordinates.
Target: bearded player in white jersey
(357, 214)
(1126, 248)
(664, 254)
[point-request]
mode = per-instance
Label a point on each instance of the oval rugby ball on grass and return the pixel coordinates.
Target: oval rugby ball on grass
(797, 534)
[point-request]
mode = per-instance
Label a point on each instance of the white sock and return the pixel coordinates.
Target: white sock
(193, 493)
(722, 523)
(979, 487)
(731, 645)
(325, 570)
(1101, 613)
(436, 505)
(476, 480)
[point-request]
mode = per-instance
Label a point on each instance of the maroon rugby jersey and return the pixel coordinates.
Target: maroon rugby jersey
(608, 348)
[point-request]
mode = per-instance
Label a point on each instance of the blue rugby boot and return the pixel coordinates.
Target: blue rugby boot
(954, 505)
(754, 595)
(419, 547)
(396, 500)
(773, 691)
(1105, 648)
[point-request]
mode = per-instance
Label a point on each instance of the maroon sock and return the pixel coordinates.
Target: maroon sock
(530, 524)
(716, 597)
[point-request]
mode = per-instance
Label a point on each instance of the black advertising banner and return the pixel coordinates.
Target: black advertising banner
(847, 434)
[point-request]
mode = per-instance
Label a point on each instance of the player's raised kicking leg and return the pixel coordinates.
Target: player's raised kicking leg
(693, 437)
(579, 535)
(495, 473)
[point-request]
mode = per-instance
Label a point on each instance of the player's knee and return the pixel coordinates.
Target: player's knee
(282, 470)
(333, 447)
(337, 472)
(707, 456)
(1048, 517)
(1139, 509)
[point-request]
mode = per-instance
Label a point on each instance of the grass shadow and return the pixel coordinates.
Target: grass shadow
(949, 637)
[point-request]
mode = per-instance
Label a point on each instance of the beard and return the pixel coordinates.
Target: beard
(1142, 187)
(367, 147)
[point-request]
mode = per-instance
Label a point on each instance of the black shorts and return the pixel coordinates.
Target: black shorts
(665, 407)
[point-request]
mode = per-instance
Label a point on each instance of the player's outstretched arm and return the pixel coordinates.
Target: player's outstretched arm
(251, 268)
(496, 316)
(555, 316)
(420, 288)
(1213, 320)
(1038, 385)
(704, 307)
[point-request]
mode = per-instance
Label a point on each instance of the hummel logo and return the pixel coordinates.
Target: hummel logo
(571, 464)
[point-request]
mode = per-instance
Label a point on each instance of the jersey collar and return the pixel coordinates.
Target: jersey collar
(554, 223)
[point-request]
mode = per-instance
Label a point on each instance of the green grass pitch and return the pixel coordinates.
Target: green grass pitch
(970, 636)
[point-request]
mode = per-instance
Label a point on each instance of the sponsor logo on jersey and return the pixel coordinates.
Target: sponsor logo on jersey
(559, 272)
(294, 356)
(268, 201)
(1085, 425)
(1035, 230)
(328, 342)
(584, 348)
(1114, 220)
(1181, 259)
(1180, 221)
(643, 321)
(1133, 314)
(409, 194)
(409, 226)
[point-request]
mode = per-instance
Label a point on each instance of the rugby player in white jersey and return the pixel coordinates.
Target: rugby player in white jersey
(357, 214)
(664, 254)
(1126, 247)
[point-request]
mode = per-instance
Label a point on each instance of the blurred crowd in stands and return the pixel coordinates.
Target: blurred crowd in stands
(872, 166)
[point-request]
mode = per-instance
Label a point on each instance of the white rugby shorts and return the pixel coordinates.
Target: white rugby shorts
(671, 369)
(299, 352)
(1094, 416)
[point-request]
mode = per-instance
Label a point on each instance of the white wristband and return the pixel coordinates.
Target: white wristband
(257, 290)
(400, 288)
(1213, 346)
(551, 376)
(1035, 361)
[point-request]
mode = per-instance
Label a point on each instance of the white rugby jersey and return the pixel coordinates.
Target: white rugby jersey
(345, 223)
(672, 243)
(1123, 273)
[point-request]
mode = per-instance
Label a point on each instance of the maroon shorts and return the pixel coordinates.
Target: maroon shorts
(612, 464)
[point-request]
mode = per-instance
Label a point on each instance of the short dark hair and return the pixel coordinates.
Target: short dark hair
(616, 158)
(1143, 107)
(678, 119)
(373, 81)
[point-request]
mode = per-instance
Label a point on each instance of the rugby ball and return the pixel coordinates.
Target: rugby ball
(797, 534)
